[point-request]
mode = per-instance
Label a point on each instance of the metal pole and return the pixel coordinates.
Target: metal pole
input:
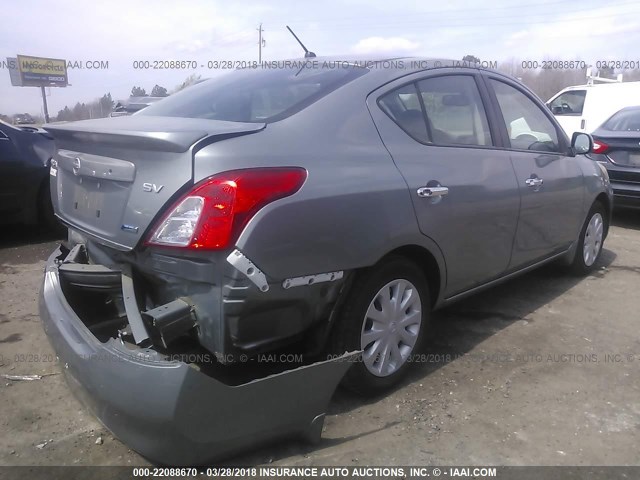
(44, 103)
(260, 44)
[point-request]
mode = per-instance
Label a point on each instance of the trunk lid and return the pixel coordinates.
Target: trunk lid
(112, 177)
(624, 148)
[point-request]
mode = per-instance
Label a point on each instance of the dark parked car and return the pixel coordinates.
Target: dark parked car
(326, 209)
(25, 154)
(617, 146)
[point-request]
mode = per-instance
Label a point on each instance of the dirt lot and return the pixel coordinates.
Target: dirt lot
(542, 370)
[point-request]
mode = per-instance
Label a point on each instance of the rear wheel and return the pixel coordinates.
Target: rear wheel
(385, 316)
(591, 240)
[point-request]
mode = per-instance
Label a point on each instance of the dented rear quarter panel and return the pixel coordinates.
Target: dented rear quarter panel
(354, 207)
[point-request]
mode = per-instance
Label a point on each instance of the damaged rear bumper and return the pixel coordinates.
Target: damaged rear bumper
(172, 413)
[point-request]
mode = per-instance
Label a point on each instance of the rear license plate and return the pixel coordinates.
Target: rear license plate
(634, 160)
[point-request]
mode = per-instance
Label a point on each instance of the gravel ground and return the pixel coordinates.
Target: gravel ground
(541, 370)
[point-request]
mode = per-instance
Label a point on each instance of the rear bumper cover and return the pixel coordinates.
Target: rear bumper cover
(625, 182)
(168, 411)
(626, 194)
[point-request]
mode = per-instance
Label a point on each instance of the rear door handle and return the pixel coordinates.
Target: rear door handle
(534, 182)
(432, 192)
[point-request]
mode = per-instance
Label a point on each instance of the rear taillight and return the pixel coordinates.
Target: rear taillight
(599, 147)
(214, 212)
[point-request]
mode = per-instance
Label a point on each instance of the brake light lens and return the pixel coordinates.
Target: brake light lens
(599, 147)
(212, 215)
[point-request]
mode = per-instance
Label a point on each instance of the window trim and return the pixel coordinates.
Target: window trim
(563, 143)
(482, 92)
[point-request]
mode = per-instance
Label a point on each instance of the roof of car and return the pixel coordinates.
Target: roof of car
(634, 84)
(386, 67)
(392, 62)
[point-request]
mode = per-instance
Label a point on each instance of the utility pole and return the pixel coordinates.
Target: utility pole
(44, 104)
(261, 43)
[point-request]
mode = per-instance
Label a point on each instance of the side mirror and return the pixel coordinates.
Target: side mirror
(581, 143)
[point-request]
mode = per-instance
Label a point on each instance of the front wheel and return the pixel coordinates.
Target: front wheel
(385, 316)
(591, 240)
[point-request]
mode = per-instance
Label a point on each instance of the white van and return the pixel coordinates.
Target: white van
(583, 108)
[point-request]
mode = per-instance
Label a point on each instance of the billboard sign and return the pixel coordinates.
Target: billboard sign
(38, 71)
(14, 73)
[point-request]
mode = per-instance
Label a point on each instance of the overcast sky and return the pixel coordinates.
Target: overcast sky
(123, 31)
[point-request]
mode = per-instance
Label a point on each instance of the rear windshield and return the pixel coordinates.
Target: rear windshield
(624, 121)
(254, 95)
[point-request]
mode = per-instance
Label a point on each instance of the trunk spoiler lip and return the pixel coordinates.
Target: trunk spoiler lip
(170, 134)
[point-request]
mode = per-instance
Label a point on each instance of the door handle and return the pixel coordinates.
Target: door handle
(534, 182)
(432, 192)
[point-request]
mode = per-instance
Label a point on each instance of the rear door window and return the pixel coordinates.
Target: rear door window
(444, 110)
(455, 113)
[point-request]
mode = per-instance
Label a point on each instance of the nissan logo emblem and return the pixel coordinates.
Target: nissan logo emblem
(76, 166)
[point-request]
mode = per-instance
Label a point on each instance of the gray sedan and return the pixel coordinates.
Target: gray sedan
(322, 207)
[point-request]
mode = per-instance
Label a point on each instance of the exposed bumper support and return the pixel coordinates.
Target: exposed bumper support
(246, 266)
(169, 411)
(138, 328)
(171, 320)
(312, 279)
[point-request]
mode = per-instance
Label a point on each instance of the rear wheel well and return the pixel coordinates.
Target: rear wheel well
(426, 262)
(414, 253)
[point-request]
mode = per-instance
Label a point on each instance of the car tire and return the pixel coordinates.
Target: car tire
(591, 240)
(395, 334)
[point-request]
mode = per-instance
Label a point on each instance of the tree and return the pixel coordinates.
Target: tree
(106, 105)
(98, 108)
(138, 92)
(190, 80)
(81, 111)
(64, 115)
(470, 59)
(159, 91)
(607, 72)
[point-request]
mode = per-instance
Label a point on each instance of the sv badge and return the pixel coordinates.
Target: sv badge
(152, 187)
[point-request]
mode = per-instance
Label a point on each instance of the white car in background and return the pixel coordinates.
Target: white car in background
(583, 108)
